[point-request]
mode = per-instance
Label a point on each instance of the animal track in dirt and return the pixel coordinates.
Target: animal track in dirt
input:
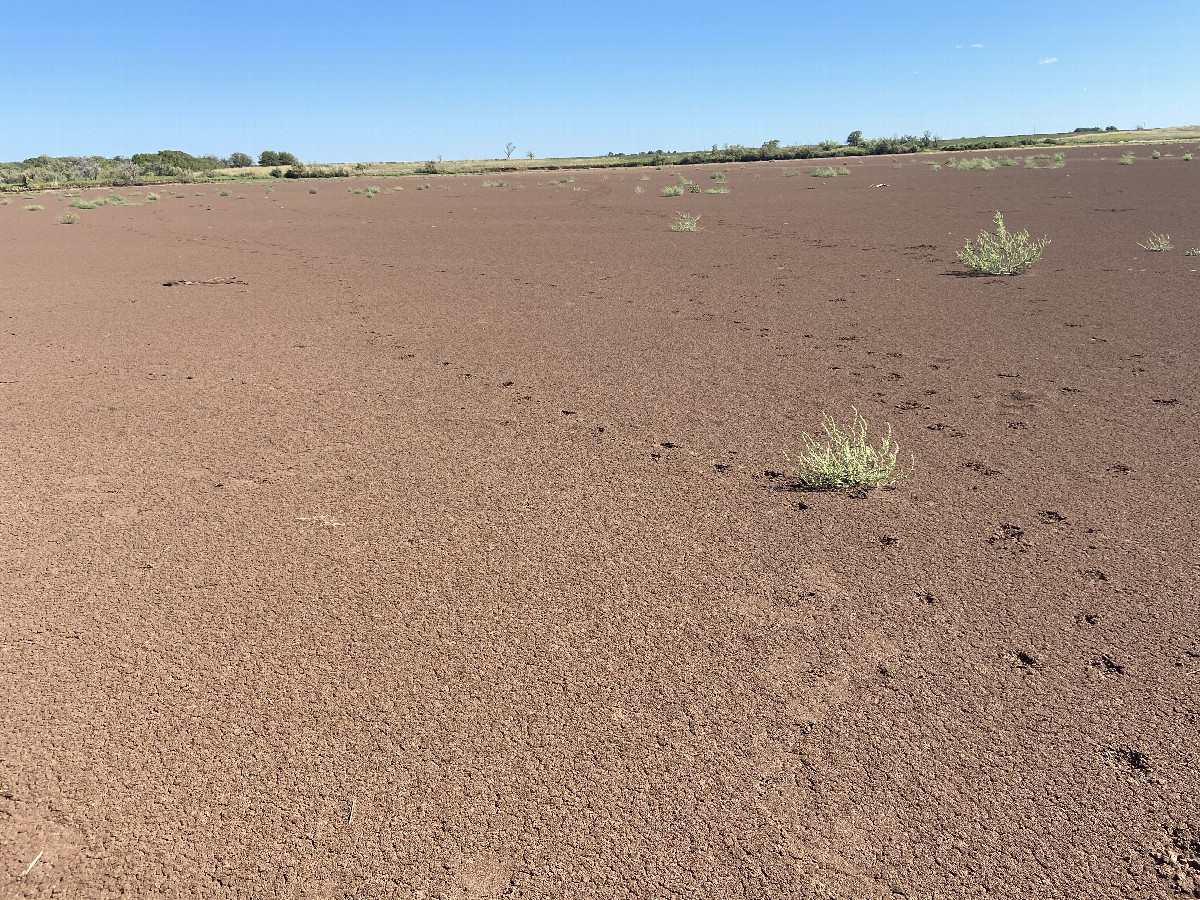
(1137, 760)
(1179, 860)
(1106, 664)
(1009, 537)
(982, 469)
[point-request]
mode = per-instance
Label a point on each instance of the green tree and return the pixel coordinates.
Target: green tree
(240, 160)
(268, 158)
(286, 159)
(854, 139)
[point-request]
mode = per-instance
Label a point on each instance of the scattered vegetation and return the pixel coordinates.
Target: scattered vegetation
(685, 222)
(825, 173)
(673, 191)
(1157, 243)
(978, 162)
(32, 207)
(1192, 251)
(790, 173)
(847, 460)
(1127, 159)
(843, 171)
(1001, 253)
(152, 196)
(1187, 157)
(1156, 155)
(717, 190)
(68, 219)
(495, 184)
(312, 190)
(718, 176)
(638, 189)
(85, 204)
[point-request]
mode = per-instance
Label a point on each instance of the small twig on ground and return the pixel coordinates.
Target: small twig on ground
(350, 821)
(29, 868)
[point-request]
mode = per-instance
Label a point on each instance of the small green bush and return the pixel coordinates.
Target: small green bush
(222, 193)
(790, 173)
(1192, 251)
(847, 460)
(1156, 155)
(696, 189)
(638, 189)
(825, 173)
(717, 190)
(978, 162)
(312, 190)
(68, 219)
(717, 176)
(1127, 159)
(685, 222)
(32, 207)
(1157, 243)
(152, 196)
(1187, 157)
(843, 171)
(1002, 253)
(672, 191)
(84, 204)
(495, 184)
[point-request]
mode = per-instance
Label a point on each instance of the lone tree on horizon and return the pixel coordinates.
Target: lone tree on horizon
(508, 149)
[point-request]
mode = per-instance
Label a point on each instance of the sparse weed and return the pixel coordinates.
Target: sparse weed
(152, 196)
(638, 189)
(312, 190)
(644, 178)
(1192, 251)
(371, 191)
(843, 171)
(717, 190)
(5, 202)
(1060, 161)
(68, 219)
(83, 204)
(1127, 159)
(495, 184)
(1002, 253)
(1008, 161)
(199, 193)
(1157, 243)
(824, 173)
(32, 207)
(1156, 155)
(847, 460)
(978, 162)
(696, 189)
(790, 173)
(717, 176)
(222, 193)
(685, 222)
(673, 191)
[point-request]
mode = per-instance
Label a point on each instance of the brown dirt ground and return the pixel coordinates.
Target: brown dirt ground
(448, 555)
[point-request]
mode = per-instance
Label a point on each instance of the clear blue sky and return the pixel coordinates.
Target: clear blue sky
(366, 80)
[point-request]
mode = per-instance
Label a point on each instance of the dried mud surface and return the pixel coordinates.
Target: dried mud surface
(452, 554)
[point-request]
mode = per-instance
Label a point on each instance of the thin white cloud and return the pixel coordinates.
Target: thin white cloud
(1047, 60)
(977, 46)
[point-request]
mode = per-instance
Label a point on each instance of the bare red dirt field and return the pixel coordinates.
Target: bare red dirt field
(450, 551)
